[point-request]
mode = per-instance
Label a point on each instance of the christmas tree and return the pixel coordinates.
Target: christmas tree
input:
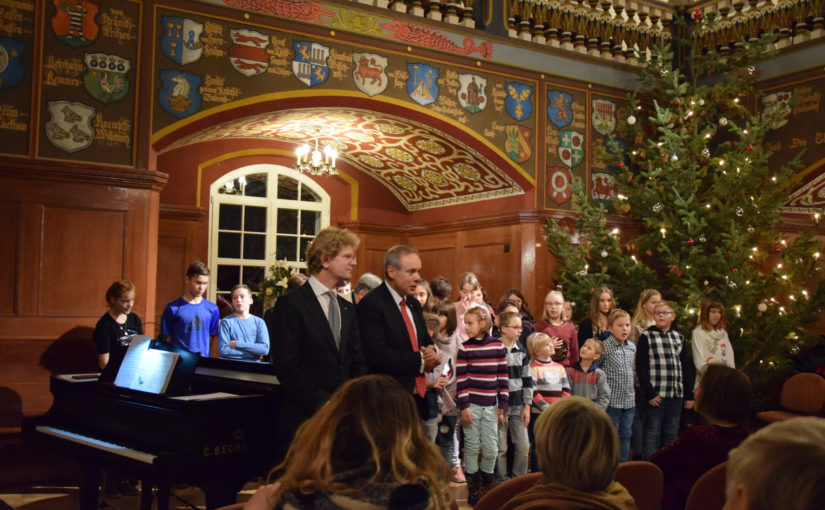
(697, 213)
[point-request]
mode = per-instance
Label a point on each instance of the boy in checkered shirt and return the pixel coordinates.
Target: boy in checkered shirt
(666, 379)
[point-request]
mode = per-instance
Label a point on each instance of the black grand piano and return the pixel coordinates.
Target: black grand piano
(217, 438)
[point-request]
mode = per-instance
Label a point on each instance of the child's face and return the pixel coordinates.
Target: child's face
(567, 311)
(196, 286)
(620, 329)
(512, 330)
(478, 297)
(651, 303)
(473, 325)
(442, 321)
(515, 299)
(663, 317)
(714, 316)
(421, 294)
(588, 352)
(124, 303)
(241, 300)
(467, 290)
(546, 352)
(554, 306)
(605, 302)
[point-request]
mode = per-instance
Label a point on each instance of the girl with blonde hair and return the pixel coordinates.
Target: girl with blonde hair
(364, 448)
(643, 316)
(595, 325)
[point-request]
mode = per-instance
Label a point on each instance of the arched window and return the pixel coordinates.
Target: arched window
(257, 214)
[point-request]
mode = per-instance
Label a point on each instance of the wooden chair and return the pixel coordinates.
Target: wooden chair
(644, 481)
(708, 493)
(802, 395)
(505, 491)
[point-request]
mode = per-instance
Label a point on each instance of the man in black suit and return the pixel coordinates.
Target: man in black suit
(388, 335)
(315, 344)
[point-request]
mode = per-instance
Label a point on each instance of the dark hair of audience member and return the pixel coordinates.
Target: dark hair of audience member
(447, 309)
(370, 421)
(118, 289)
(197, 268)
(724, 394)
(577, 445)
(441, 288)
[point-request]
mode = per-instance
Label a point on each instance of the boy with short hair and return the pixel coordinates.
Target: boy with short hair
(618, 362)
(665, 377)
(520, 382)
(191, 321)
(586, 378)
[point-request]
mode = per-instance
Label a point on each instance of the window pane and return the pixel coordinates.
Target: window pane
(287, 188)
(286, 248)
(310, 223)
(229, 217)
(287, 221)
(307, 195)
(254, 219)
(255, 185)
(304, 243)
(228, 277)
(252, 276)
(254, 246)
(229, 245)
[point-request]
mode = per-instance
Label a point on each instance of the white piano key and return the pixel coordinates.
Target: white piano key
(116, 449)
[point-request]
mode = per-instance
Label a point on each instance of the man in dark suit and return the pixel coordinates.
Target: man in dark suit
(314, 338)
(395, 344)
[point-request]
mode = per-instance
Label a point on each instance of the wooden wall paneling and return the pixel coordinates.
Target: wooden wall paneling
(9, 225)
(488, 252)
(178, 246)
(438, 252)
(89, 267)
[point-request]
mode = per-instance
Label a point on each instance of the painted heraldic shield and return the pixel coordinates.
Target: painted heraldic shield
(369, 74)
(70, 127)
(179, 94)
(105, 77)
(422, 83)
(571, 147)
(74, 22)
(558, 184)
(248, 52)
(471, 94)
(519, 100)
(559, 108)
(12, 70)
(601, 188)
(604, 116)
(518, 144)
(310, 64)
(180, 39)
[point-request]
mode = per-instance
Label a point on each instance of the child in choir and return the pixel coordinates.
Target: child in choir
(586, 378)
(710, 342)
(643, 316)
(665, 377)
(242, 336)
(437, 379)
(595, 325)
(468, 283)
(521, 395)
(567, 311)
(483, 396)
(549, 382)
(618, 361)
(448, 342)
(562, 332)
(528, 324)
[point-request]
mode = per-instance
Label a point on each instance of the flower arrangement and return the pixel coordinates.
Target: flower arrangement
(274, 285)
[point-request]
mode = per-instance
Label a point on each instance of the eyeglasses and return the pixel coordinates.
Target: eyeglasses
(663, 314)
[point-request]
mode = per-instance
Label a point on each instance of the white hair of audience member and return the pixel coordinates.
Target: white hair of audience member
(780, 466)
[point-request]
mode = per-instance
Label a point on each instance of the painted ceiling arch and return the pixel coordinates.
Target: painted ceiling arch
(424, 161)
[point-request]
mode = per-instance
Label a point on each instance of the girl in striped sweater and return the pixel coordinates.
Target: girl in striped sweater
(483, 395)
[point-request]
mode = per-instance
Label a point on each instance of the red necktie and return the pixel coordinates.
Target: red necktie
(420, 383)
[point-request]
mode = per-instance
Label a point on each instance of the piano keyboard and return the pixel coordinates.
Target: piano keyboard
(97, 443)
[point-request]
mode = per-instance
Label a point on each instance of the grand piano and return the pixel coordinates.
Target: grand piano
(217, 438)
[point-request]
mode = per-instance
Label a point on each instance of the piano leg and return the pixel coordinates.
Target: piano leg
(88, 491)
(163, 496)
(146, 495)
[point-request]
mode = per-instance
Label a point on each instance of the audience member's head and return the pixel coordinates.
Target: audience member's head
(295, 281)
(326, 245)
(724, 394)
(366, 283)
(369, 421)
(577, 445)
(446, 313)
(780, 466)
(441, 288)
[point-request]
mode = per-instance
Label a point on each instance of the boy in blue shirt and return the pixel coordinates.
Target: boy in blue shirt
(191, 321)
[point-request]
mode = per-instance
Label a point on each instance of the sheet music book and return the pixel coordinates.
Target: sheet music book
(145, 369)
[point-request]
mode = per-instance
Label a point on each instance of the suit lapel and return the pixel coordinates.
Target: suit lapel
(312, 304)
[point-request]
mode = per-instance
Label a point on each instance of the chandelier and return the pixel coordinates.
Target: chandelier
(315, 162)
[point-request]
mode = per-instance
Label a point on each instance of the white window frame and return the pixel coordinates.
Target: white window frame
(271, 202)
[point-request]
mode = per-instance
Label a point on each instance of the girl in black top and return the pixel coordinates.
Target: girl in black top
(113, 330)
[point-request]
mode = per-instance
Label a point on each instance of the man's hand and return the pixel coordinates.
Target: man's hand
(466, 416)
(655, 401)
(431, 359)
